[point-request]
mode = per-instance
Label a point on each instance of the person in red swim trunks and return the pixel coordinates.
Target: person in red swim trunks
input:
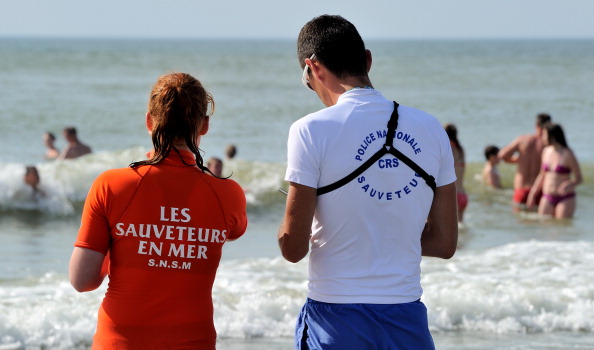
(525, 151)
(157, 230)
(559, 175)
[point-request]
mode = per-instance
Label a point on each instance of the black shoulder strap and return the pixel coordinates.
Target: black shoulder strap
(345, 180)
(430, 180)
(388, 148)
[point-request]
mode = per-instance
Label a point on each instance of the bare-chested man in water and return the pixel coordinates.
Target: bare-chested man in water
(75, 148)
(525, 151)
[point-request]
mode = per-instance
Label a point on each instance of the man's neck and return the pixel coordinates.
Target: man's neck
(361, 87)
(340, 87)
(352, 83)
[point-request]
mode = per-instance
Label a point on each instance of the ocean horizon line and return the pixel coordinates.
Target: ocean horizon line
(287, 39)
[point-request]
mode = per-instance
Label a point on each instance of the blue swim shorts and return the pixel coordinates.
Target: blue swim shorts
(325, 326)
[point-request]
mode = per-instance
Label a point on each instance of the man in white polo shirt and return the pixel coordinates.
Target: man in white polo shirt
(367, 232)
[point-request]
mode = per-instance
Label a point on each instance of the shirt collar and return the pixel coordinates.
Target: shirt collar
(187, 158)
(357, 92)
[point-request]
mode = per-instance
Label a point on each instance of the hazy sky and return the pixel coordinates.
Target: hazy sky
(283, 19)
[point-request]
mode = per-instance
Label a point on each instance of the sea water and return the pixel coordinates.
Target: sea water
(517, 281)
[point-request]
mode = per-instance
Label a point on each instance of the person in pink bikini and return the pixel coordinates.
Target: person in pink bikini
(559, 175)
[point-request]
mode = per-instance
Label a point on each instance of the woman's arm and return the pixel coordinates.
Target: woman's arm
(569, 185)
(538, 182)
(87, 269)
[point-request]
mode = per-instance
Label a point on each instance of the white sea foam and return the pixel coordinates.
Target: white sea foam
(519, 288)
(65, 183)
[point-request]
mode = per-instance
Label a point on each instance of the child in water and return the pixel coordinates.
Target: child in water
(490, 171)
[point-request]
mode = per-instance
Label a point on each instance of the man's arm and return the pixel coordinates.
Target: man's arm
(507, 153)
(440, 236)
(531, 201)
(87, 269)
(295, 230)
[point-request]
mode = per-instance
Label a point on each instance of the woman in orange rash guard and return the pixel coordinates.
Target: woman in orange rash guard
(157, 229)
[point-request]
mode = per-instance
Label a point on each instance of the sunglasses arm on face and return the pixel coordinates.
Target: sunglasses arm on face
(305, 76)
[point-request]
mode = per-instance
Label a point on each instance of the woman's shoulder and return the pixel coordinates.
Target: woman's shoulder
(224, 184)
(120, 176)
(228, 191)
(569, 157)
(123, 172)
(548, 150)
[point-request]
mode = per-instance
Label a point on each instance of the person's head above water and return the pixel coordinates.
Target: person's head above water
(31, 177)
(554, 135)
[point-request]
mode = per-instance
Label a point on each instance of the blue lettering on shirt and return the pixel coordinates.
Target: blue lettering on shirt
(386, 162)
(381, 134)
(388, 195)
(368, 140)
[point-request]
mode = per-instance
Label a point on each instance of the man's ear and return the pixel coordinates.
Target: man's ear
(316, 70)
(368, 55)
(149, 123)
(205, 125)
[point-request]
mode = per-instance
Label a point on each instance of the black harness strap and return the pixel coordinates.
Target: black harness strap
(388, 148)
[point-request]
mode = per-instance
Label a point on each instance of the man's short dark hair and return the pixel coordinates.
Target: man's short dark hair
(542, 119)
(336, 44)
(70, 130)
(491, 151)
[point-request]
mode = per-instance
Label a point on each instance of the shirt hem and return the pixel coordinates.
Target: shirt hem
(363, 299)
